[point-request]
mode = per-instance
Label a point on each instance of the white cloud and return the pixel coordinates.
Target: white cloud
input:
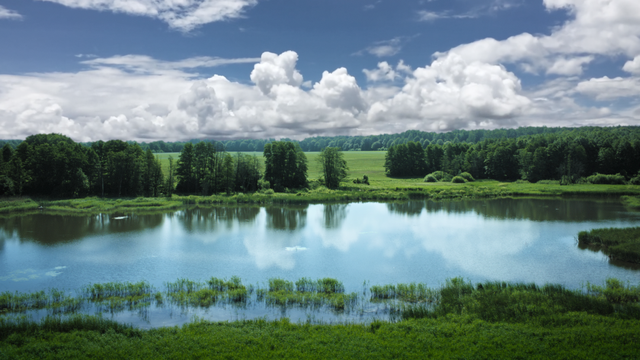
(633, 66)
(9, 14)
(386, 48)
(340, 90)
(606, 89)
(451, 93)
(183, 15)
(276, 69)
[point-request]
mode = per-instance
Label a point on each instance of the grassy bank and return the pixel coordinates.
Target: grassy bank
(458, 320)
(395, 189)
(619, 244)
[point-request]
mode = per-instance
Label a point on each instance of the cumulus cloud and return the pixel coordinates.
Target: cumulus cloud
(470, 86)
(183, 15)
(9, 14)
(275, 69)
(452, 93)
(633, 66)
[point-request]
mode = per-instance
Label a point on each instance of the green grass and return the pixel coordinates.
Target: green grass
(619, 244)
(490, 320)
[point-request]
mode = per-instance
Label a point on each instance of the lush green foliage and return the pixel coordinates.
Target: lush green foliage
(458, 180)
(606, 179)
(207, 169)
(54, 165)
(566, 155)
(334, 167)
(285, 165)
(406, 160)
(619, 244)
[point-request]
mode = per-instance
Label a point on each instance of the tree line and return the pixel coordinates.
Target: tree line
(566, 156)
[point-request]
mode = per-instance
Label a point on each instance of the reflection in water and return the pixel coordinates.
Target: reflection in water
(527, 209)
(334, 214)
(411, 208)
(288, 217)
(48, 229)
(210, 219)
(416, 241)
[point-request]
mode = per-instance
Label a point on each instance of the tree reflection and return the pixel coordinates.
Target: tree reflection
(210, 219)
(48, 229)
(411, 208)
(291, 217)
(334, 214)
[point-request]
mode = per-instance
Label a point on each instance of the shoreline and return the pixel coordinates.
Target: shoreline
(629, 195)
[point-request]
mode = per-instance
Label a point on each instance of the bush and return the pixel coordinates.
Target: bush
(467, 176)
(635, 181)
(430, 178)
(458, 180)
(364, 180)
(263, 184)
(606, 179)
(441, 176)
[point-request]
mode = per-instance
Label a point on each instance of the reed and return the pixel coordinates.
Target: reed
(619, 244)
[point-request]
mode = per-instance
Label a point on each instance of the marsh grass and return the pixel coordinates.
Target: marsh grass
(520, 302)
(619, 244)
(327, 292)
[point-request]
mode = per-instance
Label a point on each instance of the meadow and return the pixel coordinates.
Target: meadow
(457, 320)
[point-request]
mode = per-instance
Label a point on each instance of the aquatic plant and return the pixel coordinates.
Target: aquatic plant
(620, 244)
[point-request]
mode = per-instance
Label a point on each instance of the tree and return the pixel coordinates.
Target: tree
(185, 172)
(334, 167)
(285, 165)
(168, 187)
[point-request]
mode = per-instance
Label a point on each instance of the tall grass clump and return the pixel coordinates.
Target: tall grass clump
(430, 178)
(442, 176)
(620, 244)
(519, 302)
(597, 178)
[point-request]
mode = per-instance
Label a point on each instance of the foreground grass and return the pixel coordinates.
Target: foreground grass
(459, 320)
(581, 336)
(619, 244)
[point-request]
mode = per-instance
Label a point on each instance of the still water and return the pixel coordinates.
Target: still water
(530, 240)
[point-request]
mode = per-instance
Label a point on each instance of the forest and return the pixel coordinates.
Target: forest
(54, 165)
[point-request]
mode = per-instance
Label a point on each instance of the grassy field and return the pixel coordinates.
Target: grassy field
(491, 320)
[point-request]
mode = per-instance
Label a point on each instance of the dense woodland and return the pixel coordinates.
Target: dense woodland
(55, 165)
(566, 155)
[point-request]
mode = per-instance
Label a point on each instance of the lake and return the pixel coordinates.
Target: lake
(361, 244)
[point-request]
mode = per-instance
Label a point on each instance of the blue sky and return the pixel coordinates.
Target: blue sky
(183, 69)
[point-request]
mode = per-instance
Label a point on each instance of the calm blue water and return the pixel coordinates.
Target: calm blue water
(421, 241)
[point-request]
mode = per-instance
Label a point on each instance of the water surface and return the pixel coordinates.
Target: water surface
(530, 240)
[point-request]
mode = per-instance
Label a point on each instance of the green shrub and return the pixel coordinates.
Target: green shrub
(635, 181)
(467, 176)
(606, 179)
(442, 176)
(430, 178)
(458, 180)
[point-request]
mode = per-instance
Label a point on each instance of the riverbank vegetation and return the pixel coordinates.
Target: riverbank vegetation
(619, 244)
(458, 319)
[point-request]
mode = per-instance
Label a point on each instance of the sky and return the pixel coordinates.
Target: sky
(177, 70)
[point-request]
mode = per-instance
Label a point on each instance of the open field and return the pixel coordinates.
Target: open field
(490, 320)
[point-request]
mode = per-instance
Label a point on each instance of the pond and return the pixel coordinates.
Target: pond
(360, 244)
